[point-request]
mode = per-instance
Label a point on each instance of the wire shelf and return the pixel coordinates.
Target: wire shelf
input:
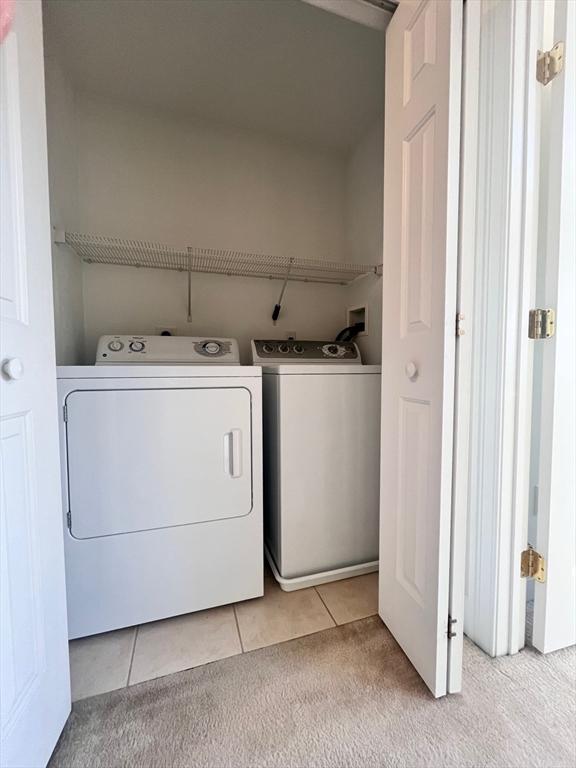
(95, 249)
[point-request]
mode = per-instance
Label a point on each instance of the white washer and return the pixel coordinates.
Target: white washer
(321, 460)
(162, 480)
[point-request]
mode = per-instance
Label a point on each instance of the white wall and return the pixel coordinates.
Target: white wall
(152, 177)
(128, 300)
(364, 237)
(128, 172)
(62, 161)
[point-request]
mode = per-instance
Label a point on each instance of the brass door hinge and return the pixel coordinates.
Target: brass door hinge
(532, 565)
(459, 320)
(541, 323)
(550, 63)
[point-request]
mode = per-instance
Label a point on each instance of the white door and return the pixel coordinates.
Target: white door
(141, 459)
(421, 169)
(554, 600)
(35, 689)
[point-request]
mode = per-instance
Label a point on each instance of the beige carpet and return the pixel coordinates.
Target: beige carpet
(343, 697)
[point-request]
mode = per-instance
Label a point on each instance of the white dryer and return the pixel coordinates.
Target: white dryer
(321, 460)
(162, 480)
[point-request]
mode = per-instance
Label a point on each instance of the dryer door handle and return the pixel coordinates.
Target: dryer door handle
(233, 453)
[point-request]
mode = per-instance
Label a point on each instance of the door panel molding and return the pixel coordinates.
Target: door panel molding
(13, 297)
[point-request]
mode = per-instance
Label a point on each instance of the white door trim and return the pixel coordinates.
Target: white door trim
(553, 527)
(498, 245)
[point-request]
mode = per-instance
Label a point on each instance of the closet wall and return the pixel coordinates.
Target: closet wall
(62, 163)
(364, 234)
(155, 178)
(128, 171)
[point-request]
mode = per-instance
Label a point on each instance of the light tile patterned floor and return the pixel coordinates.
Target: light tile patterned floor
(101, 663)
(280, 616)
(163, 647)
(129, 656)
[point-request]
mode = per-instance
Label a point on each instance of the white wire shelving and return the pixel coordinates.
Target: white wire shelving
(96, 249)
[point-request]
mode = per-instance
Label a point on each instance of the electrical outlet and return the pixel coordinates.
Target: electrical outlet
(290, 334)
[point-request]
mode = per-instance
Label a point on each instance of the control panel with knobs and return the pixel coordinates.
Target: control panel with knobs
(166, 350)
(271, 350)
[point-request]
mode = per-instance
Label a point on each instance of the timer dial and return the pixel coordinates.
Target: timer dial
(211, 348)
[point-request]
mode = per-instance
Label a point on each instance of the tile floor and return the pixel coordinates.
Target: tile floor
(128, 656)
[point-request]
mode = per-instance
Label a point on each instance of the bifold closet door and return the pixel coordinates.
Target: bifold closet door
(34, 668)
(418, 590)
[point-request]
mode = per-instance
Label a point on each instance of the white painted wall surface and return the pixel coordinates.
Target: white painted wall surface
(128, 300)
(129, 172)
(152, 177)
(364, 211)
(62, 161)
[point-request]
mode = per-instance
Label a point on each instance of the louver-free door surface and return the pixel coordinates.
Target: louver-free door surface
(421, 168)
(34, 675)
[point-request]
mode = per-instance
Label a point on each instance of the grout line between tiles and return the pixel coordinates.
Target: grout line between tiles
(325, 606)
(132, 656)
(238, 628)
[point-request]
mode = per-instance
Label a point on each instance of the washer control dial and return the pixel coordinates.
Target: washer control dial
(299, 349)
(136, 346)
(284, 348)
(333, 350)
(115, 345)
(267, 348)
(212, 348)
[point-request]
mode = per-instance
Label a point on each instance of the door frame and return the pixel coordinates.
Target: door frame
(552, 527)
(498, 510)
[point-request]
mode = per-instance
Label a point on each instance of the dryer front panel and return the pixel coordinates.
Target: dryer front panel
(143, 459)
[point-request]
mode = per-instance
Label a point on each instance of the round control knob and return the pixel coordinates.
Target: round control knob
(13, 368)
(136, 346)
(284, 348)
(115, 346)
(411, 370)
(332, 349)
(211, 347)
(299, 349)
(267, 348)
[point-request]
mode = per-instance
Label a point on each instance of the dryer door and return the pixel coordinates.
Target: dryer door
(142, 459)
